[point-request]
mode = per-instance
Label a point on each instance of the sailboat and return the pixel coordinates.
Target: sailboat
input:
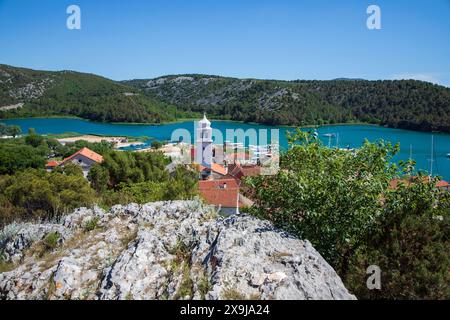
(329, 136)
(432, 152)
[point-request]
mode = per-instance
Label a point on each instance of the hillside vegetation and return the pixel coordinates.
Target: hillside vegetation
(25, 92)
(407, 104)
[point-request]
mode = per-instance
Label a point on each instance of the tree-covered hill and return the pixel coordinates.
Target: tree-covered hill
(405, 104)
(25, 92)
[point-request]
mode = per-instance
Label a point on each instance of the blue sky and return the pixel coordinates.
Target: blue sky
(284, 39)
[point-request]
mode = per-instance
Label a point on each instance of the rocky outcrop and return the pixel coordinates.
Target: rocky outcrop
(161, 250)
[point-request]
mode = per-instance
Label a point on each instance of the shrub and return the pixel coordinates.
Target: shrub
(156, 144)
(342, 202)
(38, 194)
(92, 224)
(51, 241)
(204, 286)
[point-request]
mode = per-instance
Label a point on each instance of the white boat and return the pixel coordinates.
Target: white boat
(448, 155)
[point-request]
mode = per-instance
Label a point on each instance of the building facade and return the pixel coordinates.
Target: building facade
(204, 143)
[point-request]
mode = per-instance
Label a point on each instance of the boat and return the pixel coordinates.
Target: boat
(448, 155)
(329, 136)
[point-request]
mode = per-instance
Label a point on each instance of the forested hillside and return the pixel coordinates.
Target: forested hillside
(25, 92)
(405, 104)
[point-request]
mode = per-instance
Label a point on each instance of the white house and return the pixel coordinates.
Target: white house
(85, 158)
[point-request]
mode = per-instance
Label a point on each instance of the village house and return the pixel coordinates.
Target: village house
(224, 195)
(238, 172)
(85, 158)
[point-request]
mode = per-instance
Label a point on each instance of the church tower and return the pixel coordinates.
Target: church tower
(204, 147)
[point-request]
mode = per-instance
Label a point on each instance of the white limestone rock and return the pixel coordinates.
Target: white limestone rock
(164, 250)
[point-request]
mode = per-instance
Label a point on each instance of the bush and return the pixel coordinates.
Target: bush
(16, 157)
(38, 194)
(51, 241)
(341, 201)
(327, 196)
(410, 244)
(156, 144)
(92, 224)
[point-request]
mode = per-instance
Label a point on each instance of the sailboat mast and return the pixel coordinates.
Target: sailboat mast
(432, 151)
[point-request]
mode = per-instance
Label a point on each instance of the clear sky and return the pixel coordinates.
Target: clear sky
(278, 39)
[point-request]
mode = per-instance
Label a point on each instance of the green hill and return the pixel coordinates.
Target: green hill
(407, 104)
(25, 92)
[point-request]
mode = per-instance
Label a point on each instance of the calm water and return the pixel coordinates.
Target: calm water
(349, 135)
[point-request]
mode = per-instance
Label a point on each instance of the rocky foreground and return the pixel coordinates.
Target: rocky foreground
(161, 250)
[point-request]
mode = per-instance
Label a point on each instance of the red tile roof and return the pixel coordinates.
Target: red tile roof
(238, 171)
(52, 164)
(216, 168)
(443, 184)
(86, 152)
(394, 183)
(252, 170)
(220, 192)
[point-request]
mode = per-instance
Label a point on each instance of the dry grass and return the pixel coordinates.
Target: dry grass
(6, 266)
(280, 255)
(232, 294)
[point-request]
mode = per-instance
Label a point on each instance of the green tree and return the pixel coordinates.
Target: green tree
(34, 139)
(134, 167)
(156, 144)
(343, 203)
(182, 184)
(99, 178)
(15, 157)
(35, 193)
(13, 131)
(72, 169)
(3, 129)
(101, 148)
(328, 196)
(410, 243)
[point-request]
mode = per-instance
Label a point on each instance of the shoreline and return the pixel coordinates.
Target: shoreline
(181, 120)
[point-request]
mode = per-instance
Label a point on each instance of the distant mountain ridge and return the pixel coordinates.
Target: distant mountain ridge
(408, 104)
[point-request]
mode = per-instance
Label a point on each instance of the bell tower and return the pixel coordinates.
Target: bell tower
(203, 143)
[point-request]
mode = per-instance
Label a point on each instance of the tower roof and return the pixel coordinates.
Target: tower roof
(204, 120)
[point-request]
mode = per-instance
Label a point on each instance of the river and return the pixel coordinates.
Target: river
(411, 142)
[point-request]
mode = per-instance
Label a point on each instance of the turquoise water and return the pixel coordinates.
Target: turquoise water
(349, 135)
